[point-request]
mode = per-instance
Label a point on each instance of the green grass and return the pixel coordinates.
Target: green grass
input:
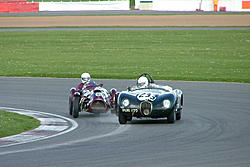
(201, 55)
(13, 123)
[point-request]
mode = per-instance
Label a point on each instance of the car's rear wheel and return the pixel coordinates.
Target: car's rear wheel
(114, 109)
(122, 117)
(76, 107)
(70, 105)
(171, 117)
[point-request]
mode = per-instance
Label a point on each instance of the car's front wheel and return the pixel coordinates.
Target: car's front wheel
(76, 107)
(171, 117)
(178, 115)
(122, 117)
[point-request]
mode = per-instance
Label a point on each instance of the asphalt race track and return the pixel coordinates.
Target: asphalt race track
(214, 131)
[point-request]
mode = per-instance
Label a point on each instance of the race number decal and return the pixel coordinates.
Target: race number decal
(146, 96)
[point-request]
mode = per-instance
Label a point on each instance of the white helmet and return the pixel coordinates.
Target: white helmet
(85, 77)
(142, 82)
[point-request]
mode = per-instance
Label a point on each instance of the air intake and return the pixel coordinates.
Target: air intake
(146, 108)
(98, 106)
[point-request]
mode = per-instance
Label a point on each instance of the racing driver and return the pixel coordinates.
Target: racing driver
(143, 82)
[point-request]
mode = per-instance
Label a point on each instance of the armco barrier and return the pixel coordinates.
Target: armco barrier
(18, 6)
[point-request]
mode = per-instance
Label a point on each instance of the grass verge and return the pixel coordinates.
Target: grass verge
(13, 123)
(201, 55)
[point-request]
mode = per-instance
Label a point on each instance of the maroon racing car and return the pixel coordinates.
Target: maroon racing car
(92, 98)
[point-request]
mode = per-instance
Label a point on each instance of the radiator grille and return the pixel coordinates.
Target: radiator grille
(146, 108)
(98, 106)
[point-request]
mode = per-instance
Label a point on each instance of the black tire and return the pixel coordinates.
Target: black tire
(70, 105)
(171, 117)
(182, 100)
(122, 117)
(178, 115)
(76, 107)
(114, 110)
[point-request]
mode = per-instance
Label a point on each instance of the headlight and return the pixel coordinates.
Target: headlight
(125, 102)
(166, 103)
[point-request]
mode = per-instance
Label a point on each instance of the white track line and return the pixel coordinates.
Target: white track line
(120, 129)
(27, 137)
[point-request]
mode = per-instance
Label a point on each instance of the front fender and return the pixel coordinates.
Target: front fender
(72, 90)
(77, 94)
(180, 99)
(134, 102)
(158, 103)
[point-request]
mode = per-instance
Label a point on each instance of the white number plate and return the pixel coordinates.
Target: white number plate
(129, 110)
